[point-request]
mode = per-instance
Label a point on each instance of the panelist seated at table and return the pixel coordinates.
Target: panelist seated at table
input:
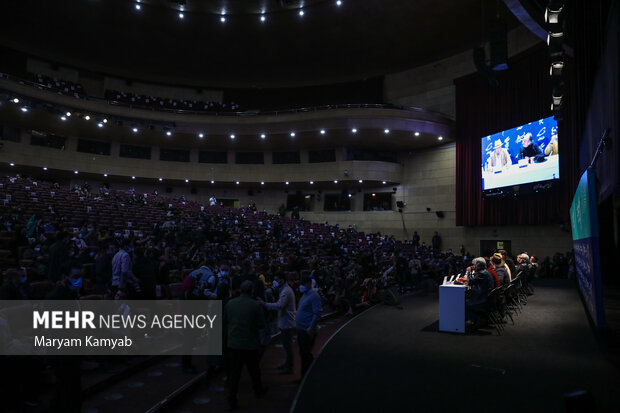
(499, 159)
(530, 151)
(552, 146)
(481, 283)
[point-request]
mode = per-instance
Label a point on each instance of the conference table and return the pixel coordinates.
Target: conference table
(521, 173)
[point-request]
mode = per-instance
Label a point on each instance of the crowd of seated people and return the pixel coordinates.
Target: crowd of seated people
(61, 86)
(173, 104)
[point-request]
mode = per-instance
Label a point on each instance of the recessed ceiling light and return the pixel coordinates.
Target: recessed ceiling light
(87, 117)
(286, 183)
(262, 182)
(133, 177)
(100, 125)
(440, 138)
(45, 168)
(322, 131)
(75, 172)
(24, 109)
(68, 114)
(311, 182)
(383, 182)
(105, 175)
(63, 118)
(15, 100)
(417, 134)
(386, 131)
(292, 134)
(335, 181)
(237, 182)
(138, 7)
(168, 133)
(181, 15)
(187, 181)
(201, 135)
(349, 195)
(339, 3)
(212, 182)
(161, 179)
(263, 18)
(360, 181)
(223, 19)
(354, 130)
(232, 136)
(105, 120)
(135, 130)
(301, 12)
(11, 164)
(263, 136)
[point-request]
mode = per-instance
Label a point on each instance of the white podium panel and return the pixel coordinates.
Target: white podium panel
(452, 308)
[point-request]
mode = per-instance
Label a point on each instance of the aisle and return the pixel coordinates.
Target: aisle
(394, 360)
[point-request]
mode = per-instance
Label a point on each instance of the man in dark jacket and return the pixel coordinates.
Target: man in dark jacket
(530, 150)
(481, 282)
(243, 318)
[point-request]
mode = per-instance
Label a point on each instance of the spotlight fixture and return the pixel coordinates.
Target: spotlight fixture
(134, 129)
(301, 13)
(24, 109)
(105, 175)
(100, 125)
(286, 183)
(45, 168)
(237, 182)
(87, 117)
(339, 3)
(383, 182)
(262, 182)
(105, 120)
(292, 134)
(76, 172)
(417, 134)
(335, 181)
(311, 182)
(349, 195)
(386, 131)
(187, 181)
(133, 177)
(181, 15)
(68, 114)
(63, 118)
(212, 182)
(263, 136)
(263, 18)
(168, 133)
(354, 130)
(160, 179)
(138, 7)
(15, 100)
(201, 135)
(440, 138)
(232, 136)
(360, 181)
(322, 131)
(11, 164)
(223, 19)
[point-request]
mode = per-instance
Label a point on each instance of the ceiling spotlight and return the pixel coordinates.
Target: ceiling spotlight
(335, 181)
(263, 136)
(349, 195)
(105, 120)
(63, 118)
(105, 175)
(339, 3)
(187, 181)
(11, 164)
(134, 129)
(322, 131)
(223, 19)
(354, 130)
(263, 18)
(100, 125)
(440, 138)
(24, 109)
(360, 181)
(383, 182)
(262, 182)
(138, 7)
(168, 133)
(45, 168)
(212, 182)
(232, 136)
(386, 131)
(286, 183)
(68, 114)
(75, 172)
(237, 182)
(15, 100)
(181, 15)
(133, 177)
(301, 12)
(201, 135)
(160, 179)
(311, 182)
(87, 117)
(417, 134)
(292, 134)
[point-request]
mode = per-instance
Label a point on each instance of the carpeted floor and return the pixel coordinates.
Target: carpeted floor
(391, 360)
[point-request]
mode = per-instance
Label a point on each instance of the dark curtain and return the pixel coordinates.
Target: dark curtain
(523, 95)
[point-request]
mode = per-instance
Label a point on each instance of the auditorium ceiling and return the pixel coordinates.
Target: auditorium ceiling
(330, 43)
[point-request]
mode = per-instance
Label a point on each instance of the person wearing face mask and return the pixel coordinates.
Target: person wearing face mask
(15, 286)
(285, 306)
(307, 319)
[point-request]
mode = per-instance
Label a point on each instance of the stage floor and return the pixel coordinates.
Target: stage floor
(395, 360)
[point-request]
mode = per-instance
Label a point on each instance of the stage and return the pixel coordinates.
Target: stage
(395, 360)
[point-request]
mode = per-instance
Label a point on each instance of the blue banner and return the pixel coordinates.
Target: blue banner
(584, 222)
